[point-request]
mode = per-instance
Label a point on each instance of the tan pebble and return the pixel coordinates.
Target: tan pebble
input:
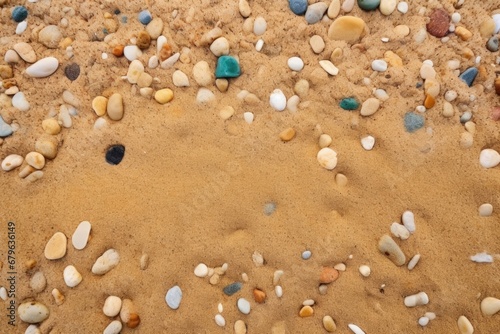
(222, 84)
(25, 51)
(11, 57)
(497, 85)
(118, 50)
(429, 101)
(336, 53)
(215, 279)
(99, 104)
(390, 248)
(47, 146)
(144, 261)
(287, 134)
(341, 180)
(251, 99)
(388, 6)
(347, 28)
(155, 27)
(129, 315)
(145, 80)
(468, 53)
(490, 306)
(402, 30)
(143, 40)
(328, 275)
(277, 276)
(56, 246)
(180, 79)
(6, 72)
(65, 42)
(240, 327)
(329, 324)
(11, 162)
(35, 160)
(487, 27)
(164, 95)
(30, 264)
(220, 47)
(38, 282)
(463, 33)
(448, 109)
(333, 9)
(329, 67)
(112, 306)
(25, 171)
(165, 52)
(317, 44)
(464, 325)
(306, 311)
(146, 92)
(432, 87)
(58, 297)
(393, 59)
(370, 106)
(202, 73)
(50, 36)
(259, 296)
(210, 36)
(340, 266)
(470, 126)
(226, 112)
(111, 25)
(324, 140)
(51, 126)
(427, 72)
(244, 8)
(466, 139)
(115, 107)
(135, 69)
(301, 88)
(35, 176)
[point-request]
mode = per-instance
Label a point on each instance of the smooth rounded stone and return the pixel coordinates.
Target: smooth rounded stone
(248, 117)
(400, 231)
(33, 312)
(47, 146)
(145, 17)
(56, 246)
(439, 23)
(114, 327)
(153, 62)
(132, 52)
(315, 12)
(43, 68)
(129, 314)
(341, 181)
(485, 210)
(418, 299)
(408, 219)
(205, 95)
(390, 248)
(100, 123)
(427, 71)
(72, 71)
(379, 65)
(430, 315)
(489, 158)
(259, 26)
(469, 75)
(243, 305)
(368, 142)
(333, 9)
(81, 235)
(387, 7)
(257, 259)
(64, 117)
(482, 258)
(327, 158)
(423, 321)
(35, 176)
(107, 261)
(164, 95)
(144, 261)
(298, 7)
(328, 275)
(368, 4)
(25, 51)
(240, 327)
(70, 99)
(222, 84)
(324, 140)
(38, 282)
(201, 270)
(35, 160)
(348, 5)
(370, 107)
(19, 102)
(329, 324)
(11, 57)
(112, 306)
(492, 44)
(202, 73)
(114, 107)
(317, 44)
(277, 100)
(32, 329)
(466, 140)
(220, 47)
(135, 69)
(413, 121)
(226, 112)
(490, 306)
(58, 297)
(174, 297)
(278, 290)
(227, 67)
(306, 311)
(99, 105)
(19, 13)
(329, 67)
(244, 8)
(170, 62)
(71, 276)
(11, 162)
(145, 80)
(219, 320)
(5, 129)
(180, 79)
(259, 296)
(50, 36)
(214, 279)
(6, 72)
(349, 103)
(155, 28)
(295, 63)
(464, 325)
(403, 7)
(287, 134)
(496, 19)
(364, 270)
(355, 329)
(232, 288)
(306, 255)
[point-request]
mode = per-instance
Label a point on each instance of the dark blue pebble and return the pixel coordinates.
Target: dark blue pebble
(19, 14)
(232, 288)
(117, 11)
(413, 121)
(114, 154)
(469, 75)
(298, 7)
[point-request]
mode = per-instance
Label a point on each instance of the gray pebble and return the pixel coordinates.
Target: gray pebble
(466, 116)
(306, 255)
(174, 297)
(492, 44)
(5, 129)
(232, 288)
(269, 208)
(315, 12)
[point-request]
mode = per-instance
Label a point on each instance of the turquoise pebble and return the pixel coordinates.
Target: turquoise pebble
(232, 288)
(227, 67)
(306, 255)
(5, 129)
(469, 75)
(145, 17)
(269, 208)
(349, 103)
(19, 14)
(368, 4)
(413, 121)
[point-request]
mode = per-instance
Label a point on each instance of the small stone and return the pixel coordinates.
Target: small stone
(257, 259)
(306, 255)
(214, 279)
(132, 52)
(145, 80)
(408, 219)
(489, 158)
(492, 44)
(298, 7)
(232, 288)
(243, 306)
(107, 261)
(306, 311)
(11, 57)
(164, 95)
(328, 275)
(112, 306)
(174, 297)
(115, 107)
(144, 261)
(490, 306)
(5, 129)
(43, 68)
(6, 72)
(287, 134)
(220, 321)
(155, 28)
(145, 17)
(33, 312)
(469, 75)
(222, 84)
(466, 140)
(240, 327)
(135, 69)
(463, 33)
(485, 210)
(99, 105)
(414, 261)
(259, 296)
(423, 321)
(277, 100)
(220, 47)
(370, 106)
(114, 327)
(129, 315)
(388, 246)
(427, 71)
(295, 64)
(349, 103)
(201, 270)
(413, 121)
(118, 50)
(329, 324)
(333, 9)
(464, 325)
(327, 158)
(202, 73)
(227, 67)
(259, 26)
(70, 99)
(429, 101)
(368, 4)
(317, 43)
(400, 231)
(439, 23)
(72, 71)
(11, 162)
(277, 276)
(379, 65)
(329, 67)
(324, 140)
(244, 8)
(368, 142)
(418, 299)
(19, 13)
(248, 117)
(387, 7)
(38, 282)
(315, 12)
(25, 51)
(35, 160)
(81, 235)
(47, 146)
(71, 276)
(58, 297)
(143, 40)
(487, 27)
(205, 95)
(56, 246)
(50, 36)
(364, 270)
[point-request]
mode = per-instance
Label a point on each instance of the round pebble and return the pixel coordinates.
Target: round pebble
(38, 282)
(306, 311)
(19, 13)
(201, 270)
(11, 162)
(464, 325)
(403, 7)
(72, 71)
(243, 306)
(277, 100)
(71, 276)
(164, 95)
(306, 255)
(489, 158)
(114, 154)
(145, 17)
(50, 36)
(220, 47)
(485, 210)
(369, 107)
(114, 327)
(248, 117)
(47, 146)
(364, 270)
(379, 65)
(56, 246)
(112, 306)
(259, 26)
(490, 306)
(33, 312)
(492, 44)
(423, 321)
(220, 321)
(35, 160)
(328, 275)
(368, 142)
(202, 73)
(240, 327)
(329, 324)
(174, 297)
(327, 158)
(295, 64)
(317, 44)
(387, 7)
(368, 4)
(298, 7)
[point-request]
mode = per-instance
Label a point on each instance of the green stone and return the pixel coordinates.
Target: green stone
(349, 103)
(368, 4)
(227, 67)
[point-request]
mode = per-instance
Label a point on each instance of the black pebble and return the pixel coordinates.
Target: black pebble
(72, 71)
(115, 154)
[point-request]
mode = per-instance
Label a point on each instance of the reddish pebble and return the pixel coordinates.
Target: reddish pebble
(495, 114)
(328, 275)
(439, 23)
(497, 85)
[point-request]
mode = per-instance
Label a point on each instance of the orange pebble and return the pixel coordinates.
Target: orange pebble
(328, 275)
(118, 50)
(497, 85)
(429, 102)
(165, 52)
(306, 311)
(259, 296)
(134, 321)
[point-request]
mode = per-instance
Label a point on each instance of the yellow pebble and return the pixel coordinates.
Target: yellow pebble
(164, 95)
(329, 324)
(51, 126)
(99, 105)
(287, 134)
(65, 43)
(306, 311)
(463, 33)
(393, 59)
(107, 15)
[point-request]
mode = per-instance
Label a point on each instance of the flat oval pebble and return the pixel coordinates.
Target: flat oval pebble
(328, 275)
(369, 107)
(174, 297)
(107, 261)
(243, 305)
(240, 327)
(38, 282)
(489, 158)
(329, 67)
(115, 107)
(71, 276)
(43, 68)
(99, 105)
(387, 7)
(327, 158)
(232, 288)
(439, 23)
(115, 154)
(219, 320)
(408, 220)
(81, 235)
(33, 312)
(50, 36)
(19, 102)
(11, 162)
(329, 324)
(135, 69)
(306, 255)
(56, 246)
(364, 270)
(390, 248)
(201, 270)
(295, 63)
(485, 210)
(347, 28)
(132, 52)
(164, 95)
(464, 325)
(114, 327)
(379, 65)
(306, 311)
(315, 12)
(25, 51)
(112, 306)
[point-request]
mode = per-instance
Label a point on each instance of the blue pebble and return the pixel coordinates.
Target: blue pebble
(19, 14)
(5, 129)
(145, 17)
(469, 75)
(298, 7)
(413, 121)
(232, 288)
(306, 255)
(269, 208)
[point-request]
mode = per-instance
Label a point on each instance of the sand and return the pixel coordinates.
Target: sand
(192, 187)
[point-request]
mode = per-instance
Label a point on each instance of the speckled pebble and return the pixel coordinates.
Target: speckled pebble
(413, 121)
(232, 288)
(20, 13)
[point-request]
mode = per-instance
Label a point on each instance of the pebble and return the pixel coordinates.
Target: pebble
(164, 95)
(174, 297)
(129, 315)
(463, 33)
(277, 100)
(298, 7)
(114, 154)
(38, 282)
(32, 329)
(329, 67)
(466, 140)
(403, 7)
(413, 121)
(368, 4)
(219, 320)
(34, 176)
(328, 275)
(72, 71)
(469, 75)
(240, 327)
(278, 290)
(202, 73)
(243, 306)
(306, 255)
(47, 146)
(145, 17)
(112, 306)
(259, 45)
(132, 52)
(490, 306)
(50, 36)
(315, 12)
(19, 102)
(347, 28)
(292, 103)
(329, 324)
(485, 210)
(408, 219)
(226, 112)
(71, 276)
(114, 327)
(107, 261)
(114, 107)
(5, 129)
(33, 312)
(489, 158)
(81, 235)
(227, 67)
(464, 325)
(259, 26)
(427, 71)
(306, 311)
(439, 23)
(287, 134)
(11, 161)
(317, 44)
(248, 117)
(277, 276)
(21, 27)
(232, 288)
(492, 44)
(327, 158)
(56, 246)
(482, 258)
(423, 321)
(324, 140)
(368, 142)
(244, 8)
(70, 99)
(220, 47)
(64, 117)
(201, 270)
(153, 62)
(370, 107)
(205, 95)
(355, 329)
(25, 51)
(341, 181)
(400, 231)
(11, 57)
(19, 13)
(155, 28)
(496, 19)
(35, 160)
(418, 299)
(135, 69)
(387, 7)
(259, 296)
(364, 270)
(295, 64)
(390, 248)
(222, 84)
(3, 293)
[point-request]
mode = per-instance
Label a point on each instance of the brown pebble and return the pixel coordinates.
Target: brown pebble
(133, 321)
(259, 296)
(72, 71)
(328, 275)
(495, 113)
(30, 264)
(165, 52)
(7, 83)
(463, 33)
(287, 134)
(6, 72)
(439, 23)
(497, 85)
(429, 102)
(306, 311)
(222, 84)
(467, 53)
(118, 50)
(143, 40)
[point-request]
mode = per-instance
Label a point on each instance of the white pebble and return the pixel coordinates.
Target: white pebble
(368, 142)
(114, 327)
(112, 306)
(180, 79)
(205, 95)
(277, 100)
(11, 57)
(403, 7)
(450, 95)
(488, 158)
(3, 293)
(220, 308)
(259, 45)
(464, 325)
(81, 235)
(496, 19)
(71, 276)
(456, 17)
(418, 299)
(327, 158)
(100, 123)
(379, 65)
(104, 55)
(132, 52)
(43, 68)
(329, 67)
(21, 27)
(413, 262)
(485, 210)
(408, 219)
(19, 102)
(248, 117)
(453, 64)
(277, 276)
(365, 270)
(32, 329)
(220, 321)
(170, 61)
(295, 64)
(293, 103)
(278, 290)
(259, 26)
(482, 258)
(12, 161)
(385, 39)
(430, 315)
(308, 302)
(381, 94)
(201, 270)
(220, 47)
(400, 231)
(107, 261)
(423, 321)
(243, 305)
(160, 41)
(490, 306)
(420, 109)
(153, 62)
(355, 329)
